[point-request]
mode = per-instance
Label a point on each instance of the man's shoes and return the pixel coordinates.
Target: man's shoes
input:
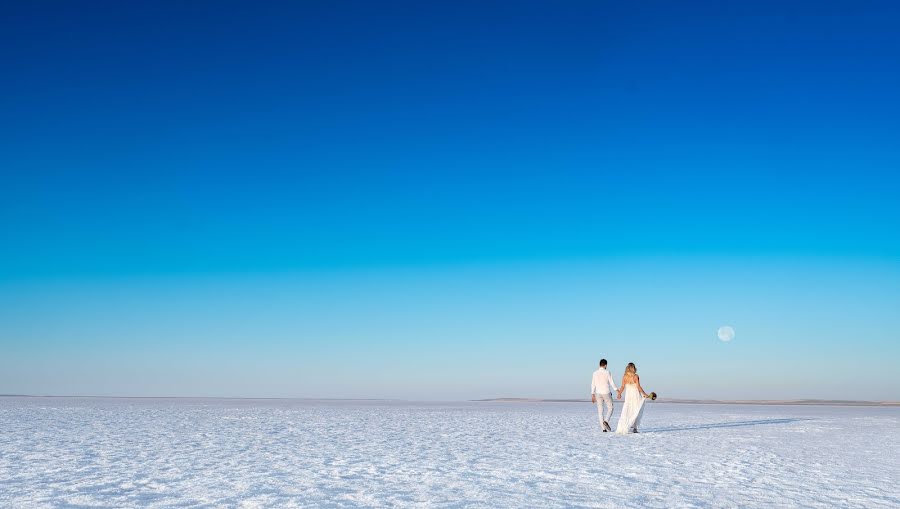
(634, 430)
(606, 427)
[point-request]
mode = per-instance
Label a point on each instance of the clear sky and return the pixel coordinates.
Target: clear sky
(449, 200)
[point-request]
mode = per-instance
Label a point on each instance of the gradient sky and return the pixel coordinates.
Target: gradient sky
(449, 200)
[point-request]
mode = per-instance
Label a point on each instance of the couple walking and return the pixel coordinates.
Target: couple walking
(634, 398)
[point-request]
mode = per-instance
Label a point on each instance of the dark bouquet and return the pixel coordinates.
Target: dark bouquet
(652, 396)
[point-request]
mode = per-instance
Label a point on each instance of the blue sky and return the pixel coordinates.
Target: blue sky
(449, 200)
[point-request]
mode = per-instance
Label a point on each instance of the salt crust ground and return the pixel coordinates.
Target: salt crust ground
(118, 453)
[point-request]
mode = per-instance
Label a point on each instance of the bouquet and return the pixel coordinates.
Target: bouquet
(652, 396)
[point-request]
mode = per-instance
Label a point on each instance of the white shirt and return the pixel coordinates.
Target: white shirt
(602, 381)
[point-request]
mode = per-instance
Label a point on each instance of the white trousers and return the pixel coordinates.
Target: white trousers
(607, 401)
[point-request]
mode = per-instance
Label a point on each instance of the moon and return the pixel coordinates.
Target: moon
(726, 333)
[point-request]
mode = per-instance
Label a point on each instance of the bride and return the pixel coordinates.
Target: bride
(634, 401)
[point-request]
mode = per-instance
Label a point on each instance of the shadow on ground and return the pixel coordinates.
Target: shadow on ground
(732, 424)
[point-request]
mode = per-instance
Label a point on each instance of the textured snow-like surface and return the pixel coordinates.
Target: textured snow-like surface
(60, 452)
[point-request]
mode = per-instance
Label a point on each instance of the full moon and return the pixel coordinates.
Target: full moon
(726, 333)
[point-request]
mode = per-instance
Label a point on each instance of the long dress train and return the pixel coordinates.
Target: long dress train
(632, 410)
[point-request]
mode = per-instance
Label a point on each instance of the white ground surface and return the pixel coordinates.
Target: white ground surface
(60, 452)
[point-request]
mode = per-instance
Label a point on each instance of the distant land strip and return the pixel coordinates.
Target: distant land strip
(250, 398)
(809, 402)
(824, 402)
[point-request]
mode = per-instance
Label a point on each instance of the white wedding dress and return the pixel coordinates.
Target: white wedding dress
(631, 410)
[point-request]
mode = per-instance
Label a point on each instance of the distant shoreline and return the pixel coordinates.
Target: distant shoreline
(808, 402)
(802, 402)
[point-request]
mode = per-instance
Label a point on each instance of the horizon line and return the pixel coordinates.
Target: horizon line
(798, 401)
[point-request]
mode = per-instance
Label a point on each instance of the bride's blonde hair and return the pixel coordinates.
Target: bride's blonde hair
(630, 368)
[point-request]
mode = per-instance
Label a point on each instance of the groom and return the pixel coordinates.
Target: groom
(601, 395)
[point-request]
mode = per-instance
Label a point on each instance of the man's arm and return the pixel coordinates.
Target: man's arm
(609, 377)
(593, 387)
